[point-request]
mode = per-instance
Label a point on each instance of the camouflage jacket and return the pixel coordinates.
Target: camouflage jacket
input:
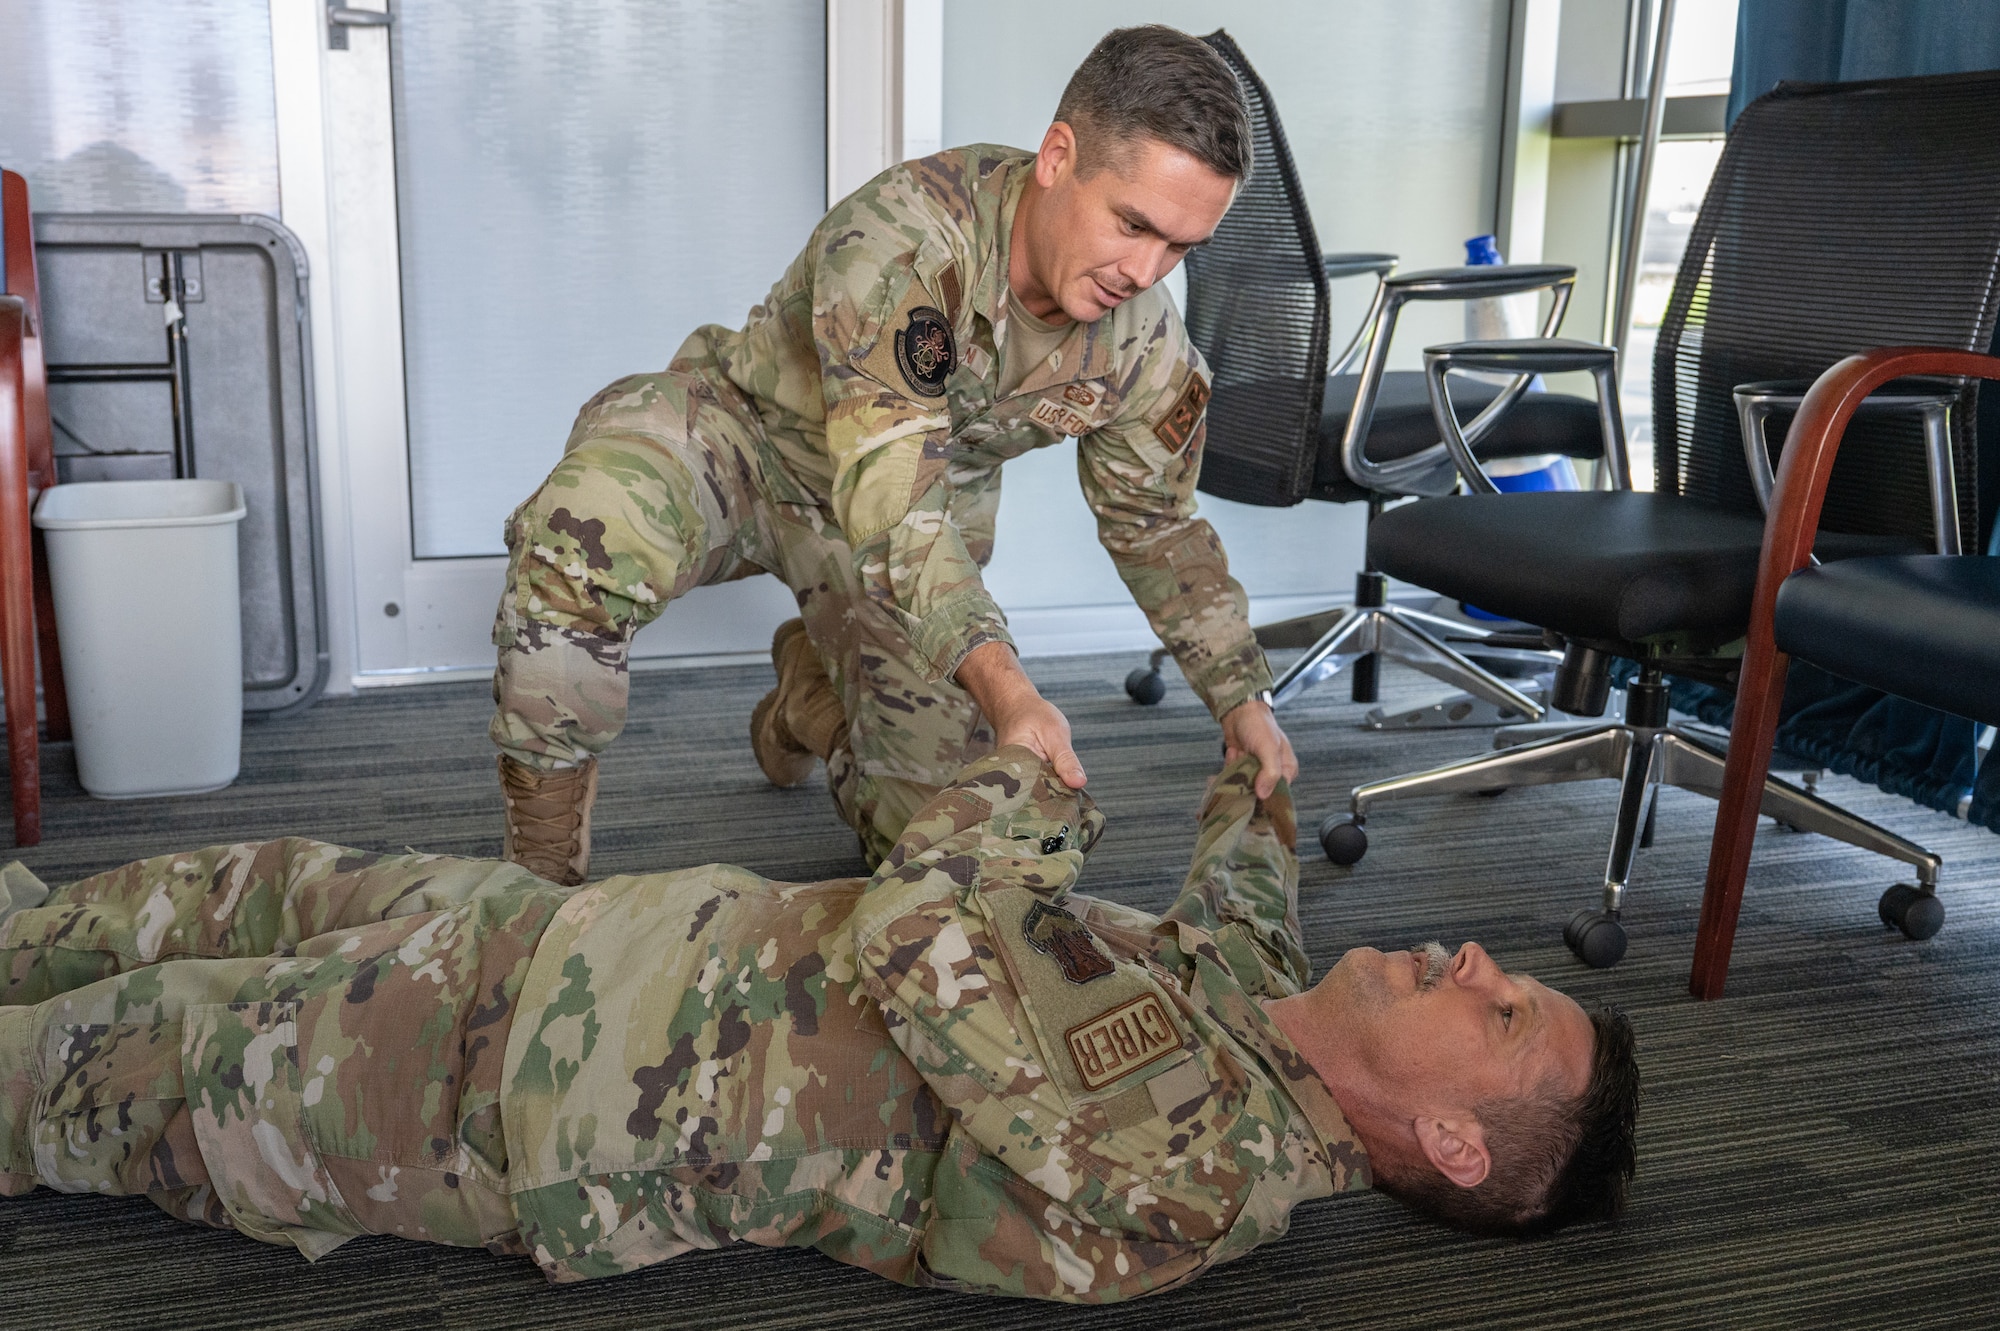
(955, 1073)
(874, 366)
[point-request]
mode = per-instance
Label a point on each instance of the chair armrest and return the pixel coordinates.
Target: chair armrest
(1525, 355)
(1423, 472)
(1807, 461)
(1789, 529)
(1927, 399)
(1355, 265)
(1523, 358)
(1480, 280)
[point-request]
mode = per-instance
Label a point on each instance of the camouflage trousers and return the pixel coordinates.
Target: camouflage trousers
(667, 484)
(297, 1041)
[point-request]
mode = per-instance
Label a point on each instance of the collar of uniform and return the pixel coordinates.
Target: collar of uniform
(1245, 1016)
(1343, 1148)
(1087, 351)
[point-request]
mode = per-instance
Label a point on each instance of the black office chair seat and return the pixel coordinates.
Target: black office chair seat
(1608, 566)
(1403, 426)
(1926, 627)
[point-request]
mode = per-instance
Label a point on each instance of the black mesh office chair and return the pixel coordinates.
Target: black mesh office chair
(1840, 216)
(1282, 428)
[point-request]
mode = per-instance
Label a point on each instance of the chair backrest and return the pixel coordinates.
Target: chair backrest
(1257, 308)
(1841, 216)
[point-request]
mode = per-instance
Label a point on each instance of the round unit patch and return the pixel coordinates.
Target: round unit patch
(926, 353)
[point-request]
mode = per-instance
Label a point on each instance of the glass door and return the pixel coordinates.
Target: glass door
(531, 198)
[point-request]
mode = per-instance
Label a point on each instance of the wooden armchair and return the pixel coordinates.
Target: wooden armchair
(1924, 627)
(27, 466)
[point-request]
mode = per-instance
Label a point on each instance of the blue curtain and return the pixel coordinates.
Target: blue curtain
(1830, 41)
(1828, 722)
(1891, 742)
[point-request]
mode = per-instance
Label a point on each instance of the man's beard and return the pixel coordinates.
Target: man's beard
(1437, 962)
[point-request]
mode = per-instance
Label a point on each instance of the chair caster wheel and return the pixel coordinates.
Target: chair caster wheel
(1597, 938)
(1343, 842)
(1917, 913)
(1145, 687)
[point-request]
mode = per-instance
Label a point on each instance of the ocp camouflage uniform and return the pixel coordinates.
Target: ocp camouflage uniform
(849, 439)
(955, 1073)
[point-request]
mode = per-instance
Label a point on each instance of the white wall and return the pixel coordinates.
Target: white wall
(1393, 109)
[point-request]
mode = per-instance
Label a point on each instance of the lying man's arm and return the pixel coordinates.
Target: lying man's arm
(1242, 885)
(1110, 1139)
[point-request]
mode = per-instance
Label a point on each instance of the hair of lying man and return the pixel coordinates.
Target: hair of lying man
(1557, 1159)
(1156, 82)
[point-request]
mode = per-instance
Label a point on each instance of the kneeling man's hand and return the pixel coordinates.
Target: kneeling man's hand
(1251, 728)
(1018, 713)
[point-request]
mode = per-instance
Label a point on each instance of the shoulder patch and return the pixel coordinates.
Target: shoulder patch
(949, 290)
(1121, 1040)
(1176, 427)
(926, 352)
(1054, 932)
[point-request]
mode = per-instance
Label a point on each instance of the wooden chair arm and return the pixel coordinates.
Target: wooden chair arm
(1806, 464)
(1796, 502)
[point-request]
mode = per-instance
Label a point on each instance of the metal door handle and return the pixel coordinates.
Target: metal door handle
(339, 18)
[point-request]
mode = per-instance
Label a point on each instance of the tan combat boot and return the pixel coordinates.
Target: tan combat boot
(802, 718)
(548, 819)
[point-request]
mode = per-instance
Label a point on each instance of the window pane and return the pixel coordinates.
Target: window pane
(110, 106)
(1680, 179)
(1701, 55)
(579, 186)
(1702, 52)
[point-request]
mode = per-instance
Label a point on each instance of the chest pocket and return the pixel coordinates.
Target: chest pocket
(1103, 1025)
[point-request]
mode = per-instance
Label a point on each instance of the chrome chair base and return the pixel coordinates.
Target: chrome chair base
(1641, 758)
(1455, 711)
(1413, 638)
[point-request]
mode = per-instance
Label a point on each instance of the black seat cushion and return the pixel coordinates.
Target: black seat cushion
(1606, 566)
(1403, 425)
(1923, 626)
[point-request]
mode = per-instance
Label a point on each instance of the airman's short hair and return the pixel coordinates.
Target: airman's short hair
(1557, 1159)
(1156, 82)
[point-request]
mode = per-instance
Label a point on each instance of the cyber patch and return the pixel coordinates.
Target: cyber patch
(1176, 427)
(1126, 1038)
(1054, 932)
(926, 352)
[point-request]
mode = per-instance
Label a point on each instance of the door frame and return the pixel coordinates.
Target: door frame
(394, 618)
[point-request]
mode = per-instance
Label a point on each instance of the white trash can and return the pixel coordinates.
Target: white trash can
(151, 621)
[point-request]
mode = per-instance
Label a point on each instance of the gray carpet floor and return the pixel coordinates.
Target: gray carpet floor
(1820, 1148)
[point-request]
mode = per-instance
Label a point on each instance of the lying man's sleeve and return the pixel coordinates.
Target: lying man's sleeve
(1109, 1142)
(1242, 886)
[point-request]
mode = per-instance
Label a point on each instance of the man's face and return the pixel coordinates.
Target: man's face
(1434, 1032)
(1096, 241)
